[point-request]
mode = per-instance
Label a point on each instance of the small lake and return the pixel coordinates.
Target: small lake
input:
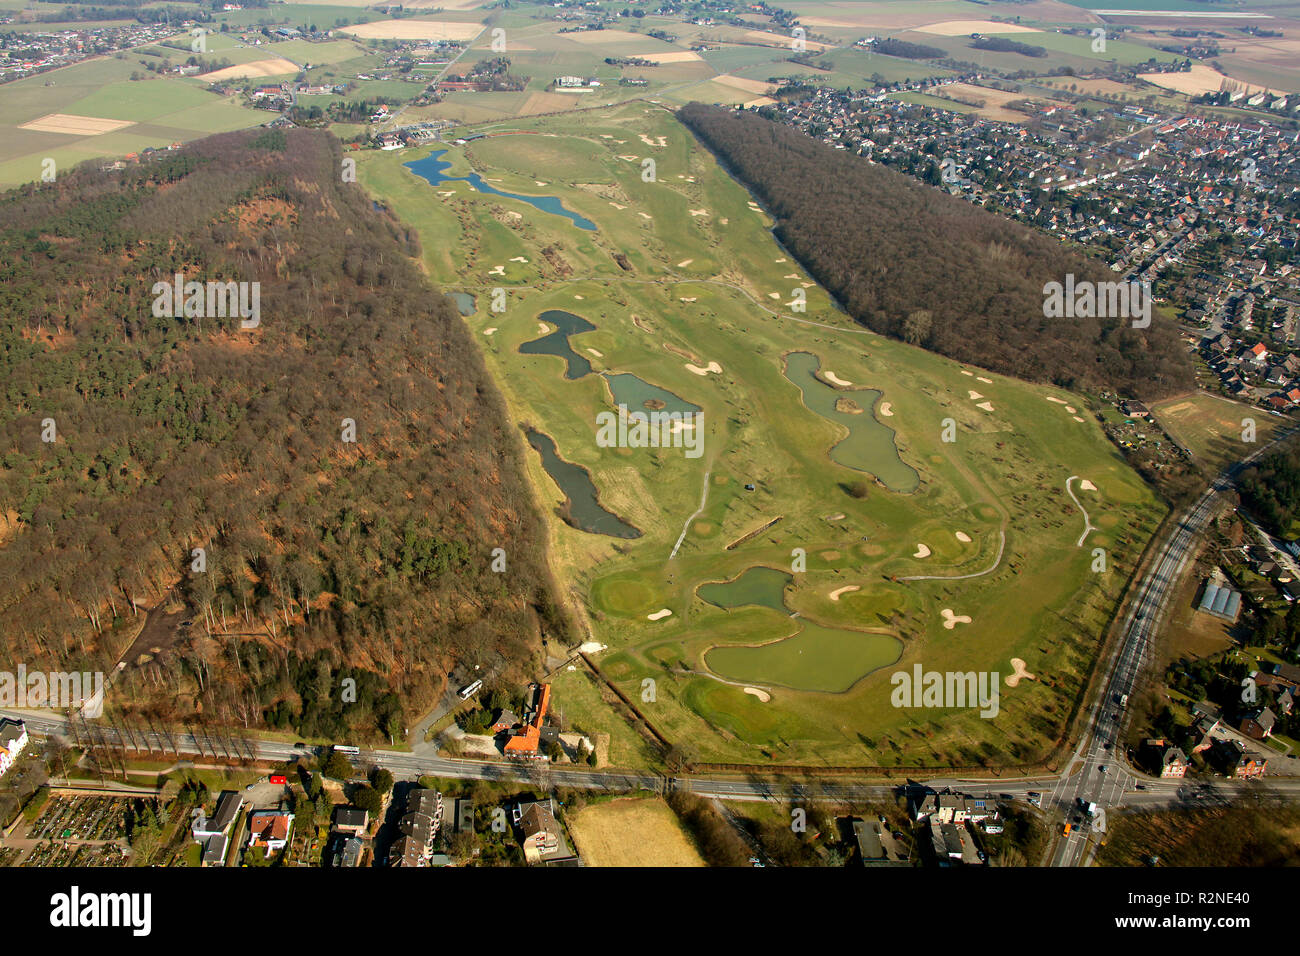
(464, 302)
(432, 167)
(582, 505)
(758, 585)
(557, 342)
(869, 446)
(635, 393)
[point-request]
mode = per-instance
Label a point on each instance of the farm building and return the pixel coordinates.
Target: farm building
(1222, 602)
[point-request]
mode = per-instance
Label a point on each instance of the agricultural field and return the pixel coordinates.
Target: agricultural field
(756, 586)
(94, 109)
(632, 832)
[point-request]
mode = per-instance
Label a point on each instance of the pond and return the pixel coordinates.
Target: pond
(431, 169)
(582, 507)
(758, 585)
(557, 342)
(869, 446)
(464, 302)
(639, 395)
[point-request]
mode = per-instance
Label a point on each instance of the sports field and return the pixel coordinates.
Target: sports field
(822, 457)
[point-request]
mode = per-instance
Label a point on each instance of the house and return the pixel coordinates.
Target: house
(1238, 762)
(347, 852)
(407, 852)
(1135, 410)
(214, 850)
(1259, 724)
(876, 845)
(540, 834)
(527, 741)
(1171, 760)
(949, 807)
(506, 720)
(13, 740)
(419, 827)
(351, 820)
(228, 806)
(1288, 675)
(270, 830)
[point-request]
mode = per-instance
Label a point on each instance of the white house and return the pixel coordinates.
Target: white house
(13, 739)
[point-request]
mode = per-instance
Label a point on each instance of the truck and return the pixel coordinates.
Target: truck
(1123, 700)
(1068, 828)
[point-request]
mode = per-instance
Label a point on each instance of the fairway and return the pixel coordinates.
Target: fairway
(826, 535)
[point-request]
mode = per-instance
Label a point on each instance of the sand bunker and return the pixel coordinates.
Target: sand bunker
(542, 328)
(987, 406)
(886, 410)
(660, 614)
(922, 551)
(964, 372)
(698, 212)
(762, 695)
(518, 259)
(686, 298)
(1020, 673)
(981, 378)
(591, 647)
(711, 367)
(497, 271)
(617, 206)
(963, 537)
(974, 395)
(489, 331)
(838, 516)
(684, 263)
(595, 353)
(835, 379)
(951, 620)
(774, 295)
(835, 595)
(1053, 398)
(1086, 485)
(1071, 410)
(1077, 418)
(579, 298)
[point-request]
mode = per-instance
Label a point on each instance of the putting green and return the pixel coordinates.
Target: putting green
(817, 658)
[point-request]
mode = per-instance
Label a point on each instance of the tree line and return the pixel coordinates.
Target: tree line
(934, 270)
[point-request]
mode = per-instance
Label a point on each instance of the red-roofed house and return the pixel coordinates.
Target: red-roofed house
(270, 830)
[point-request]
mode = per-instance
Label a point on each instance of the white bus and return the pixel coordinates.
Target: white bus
(467, 692)
(346, 750)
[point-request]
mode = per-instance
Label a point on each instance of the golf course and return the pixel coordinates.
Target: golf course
(856, 506)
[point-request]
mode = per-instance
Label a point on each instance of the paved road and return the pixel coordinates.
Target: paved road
(1083, 778)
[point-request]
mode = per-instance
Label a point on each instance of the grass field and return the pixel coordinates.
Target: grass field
(632, 832)
(705, 283)
(157, 111)
(1213, 428)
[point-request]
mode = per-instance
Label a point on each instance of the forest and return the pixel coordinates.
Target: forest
(1270, 489)
(934, 270)
(331, 576)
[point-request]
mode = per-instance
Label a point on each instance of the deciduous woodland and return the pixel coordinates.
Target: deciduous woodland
(912, 262)
(325, 559)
